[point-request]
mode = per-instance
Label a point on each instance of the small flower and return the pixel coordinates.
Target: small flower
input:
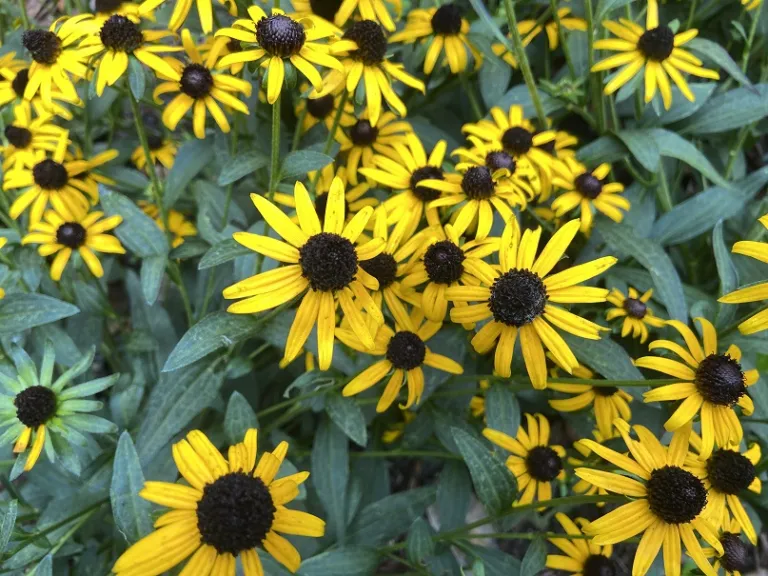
(396, 430)
(582, 486)
(14, 78)
(63, 232)
(182, 8)
(339, 12)
(738, 556)
(230, 508)
(534, 461)
(27, 136)
(161, 150)
(323, 110)
(635, 311)
(657, 50)
(581, 557)
(42, 412)
(711, 385)
(178, 225)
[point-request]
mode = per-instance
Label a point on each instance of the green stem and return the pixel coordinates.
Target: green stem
(175, 273)
(274, 174)
(291, 401)
(521, 536)
(595, 79)
(525, 67)
(691, 14)
(561, 35)
(662, 191)
(751, 38)
(233, 153)
(24, 15)
(473, 101)
(297, 132)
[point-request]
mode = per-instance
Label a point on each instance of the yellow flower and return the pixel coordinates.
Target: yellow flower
(477, 403)
(340, 11)
(230, 46)
(635, 311)
(711, 385)
(120, 39)
(63, 232)
(738, 556)
(178, 225)
(55, 58)
(446, 31)
(364, 48)
(230, 507)
(608, 402)
(657, 50)
(199, 89)
(446, 263)
(751, 4)
(162, 150)
(581, 556)
(276, 37)
(27, 136)
(90, 178)
(405, 352)
(324, 110)
(755, 293)
(587, 189)
(726, 474)
(103, 9)
(14, 78)
(323, 265)
(534, 461)
(181, 11)
(522, 299)
(396, 430)
(667, 501)
(582, 486)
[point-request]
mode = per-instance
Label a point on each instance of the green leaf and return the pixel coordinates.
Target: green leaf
(496, 562)
(138, 232)
(7, 524)
(604, 149)
(131, 512)
(391, 516)
(152, 273)
(682, 107)
(653, 258)
(192, 157)
(604, 7)
(642, 145)
(486, 18)
(330, 475)
(419, 544)
(729, 276)
(534, 559)
(136, 78)
(604, 356)
(493, 483)
(341, 562)
(297, 164)
(453, 495)
(238, 418)
(502, 410)
(719, 55)
(215, 331)
(242, 165)
(44, 567)
(674, 146)
(348, 416)
(222, 252)
(734, 109)
(19, 312)
(478, 568)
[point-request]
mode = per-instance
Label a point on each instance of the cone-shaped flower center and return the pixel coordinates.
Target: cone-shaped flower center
(737, 555)
(328, 261)
(382, 267)
(675, 495)
(371, 42)
(406, 350)
(43, 45)
(320, 107)
(20, 82)
(447, 20)
(50, 175)
(477, 183)
(657, 44)
(517, 297)
(35, 405)
(635, 308)
(719, 380)
(280, 35)
(599, 565)
(71, 235)
(588, 185)
(543, 463)
(517, 141)
(120, 34)
(363, 134)
(498, 160)
(325, 8)
(444, 262)
(730, 472)
(196, 81)
(426, 173)
(19, 136)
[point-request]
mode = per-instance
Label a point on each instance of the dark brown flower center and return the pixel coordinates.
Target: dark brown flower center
(71, 234)
(196, 81)
(444, 262)
(675, 495)
(320, 107)
(363, 134)
(477, 183)
(406, 351)
(543, 463)
(19, 136)
(50, 175)
(325, 8)
(517, 141)
(588, 185)
(35, 405)
(426, 173)
(719, 380)
(635, 308)
(657, 44)
(120, 34)
(328, 261)
(155, 140)
(106, 6)
(20, 82)
(43, 45)
(517, 298)
(737, 554)
(382, 267)
(447, 20)
(605, 390)
(499, 160)
(599, 565)
(729, 471)
(371, 41)
(280, 35)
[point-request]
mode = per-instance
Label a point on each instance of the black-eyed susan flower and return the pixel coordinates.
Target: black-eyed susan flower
(364, 48)
(446, 31)
(277, 37)
(755, 293)
(585, 453)
(727, 473)
(403, 173)
(446, 261)
(63, 232)
(91, 176)
(103, 9)
(363, 141)
(656, 50)
(738, 556)
(667, 501)
(323, 110)
(55, 58)
(230, 507)
(520, 172)
(178, 225)
(119, 39)
(340, 11)
(396, 430)
(38, 411)
(14, 77)
(200, 88)
(522, 301)
(225, 47)
(162, 150)
(26, 136)
(608, 402)
(534, 461)
(587, 190)
(181, 11)
(405, 352)
(580, 556)
(634, 309)
(711, 385)
(323, 265)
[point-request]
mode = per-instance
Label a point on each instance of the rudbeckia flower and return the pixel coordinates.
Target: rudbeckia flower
(581, 557)
(161, 150)
(711, 385)
(667, 501)
(225, 47)
(277, 37)
(635, 311)
(229, 508)
(405, 353)
(519, 172)
(38, 411)
(26, 137)
(738, 556)
(364, 46)
(340, 11)
(587, 189)
(199, 89)
(756, 292)
(477, 403)
(181, 11)
(323, 110)
(103, 9)
(585, 452)
(534, 461)
(63, 232)
(323, 265)
(90, 177)
(118, 40)
(55, 58)
(446, 31)
(179, 227)
(657, 50)
(727, 473)
(14, 78)
(522, 300)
